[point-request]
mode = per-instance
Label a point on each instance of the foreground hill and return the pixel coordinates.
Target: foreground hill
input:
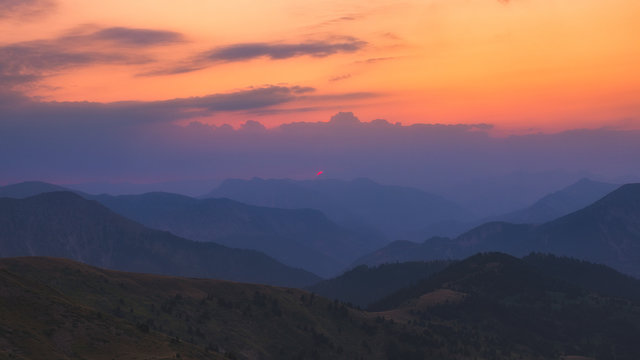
(63, 224)
(512, 302)
(363, 285)
(302, 238)
(360, 204)
(490, 306)
(606, 232)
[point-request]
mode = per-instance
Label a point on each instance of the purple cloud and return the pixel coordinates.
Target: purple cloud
(25, 8)
(249, 51)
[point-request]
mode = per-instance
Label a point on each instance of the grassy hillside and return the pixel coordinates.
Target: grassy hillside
(363, 285)
(490, 306)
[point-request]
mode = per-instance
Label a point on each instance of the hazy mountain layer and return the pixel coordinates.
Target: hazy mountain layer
(63, 224)
(301, 238)
(362, 204)
(607, 232)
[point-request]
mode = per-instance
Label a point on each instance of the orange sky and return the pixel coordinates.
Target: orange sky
(522, 65)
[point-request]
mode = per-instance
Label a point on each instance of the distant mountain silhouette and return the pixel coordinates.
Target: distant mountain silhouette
(364, 285)
(606, 232)
(560, 203)
(63, 224)
(28, 188)
(358, 204)
(302, 238)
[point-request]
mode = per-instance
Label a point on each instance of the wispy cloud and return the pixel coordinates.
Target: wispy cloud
(122, 36)
(242, 52)
(132, 112)
(30, 61)
(270, 50)
(340, 77)
(25, 8)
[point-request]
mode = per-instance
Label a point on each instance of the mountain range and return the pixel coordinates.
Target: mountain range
(302, 238)
(63, 224)
(607, 232)
(360, 204)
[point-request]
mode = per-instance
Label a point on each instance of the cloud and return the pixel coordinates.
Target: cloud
(250, 51)
(30, 61)
(123, 36)
(22, 9)
(341, 77)
(20, 109)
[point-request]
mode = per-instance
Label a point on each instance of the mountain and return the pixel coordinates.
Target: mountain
(41, 322)
(606, 232)
(490, 306)
(28, 188)
(302, 238)
(561, 202)
(363, 285)
(63, 224)
(360, 204)
(506, 303)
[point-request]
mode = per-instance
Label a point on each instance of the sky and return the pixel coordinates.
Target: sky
(159, 90)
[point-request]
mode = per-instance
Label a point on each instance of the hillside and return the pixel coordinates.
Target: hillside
(490, 306)
(363, 285)
(511, 302)
(360, 204)
(63, 224)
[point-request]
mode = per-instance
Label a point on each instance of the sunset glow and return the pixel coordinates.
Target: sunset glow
(522, 64)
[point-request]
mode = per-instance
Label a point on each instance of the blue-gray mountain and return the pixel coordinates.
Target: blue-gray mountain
(560, 203)
(63, 224)
(302, 238)
(361, 204)
(606, 232)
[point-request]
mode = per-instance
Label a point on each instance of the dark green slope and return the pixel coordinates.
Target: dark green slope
(514, 305)
(239, 321)
(63, 224)
(490, 306)
(363, 285)
(40, 322)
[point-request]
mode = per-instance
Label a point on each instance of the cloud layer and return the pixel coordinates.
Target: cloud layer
(30, 61)
(77, 142)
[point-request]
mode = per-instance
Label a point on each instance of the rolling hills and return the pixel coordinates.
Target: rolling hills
(489, 306)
